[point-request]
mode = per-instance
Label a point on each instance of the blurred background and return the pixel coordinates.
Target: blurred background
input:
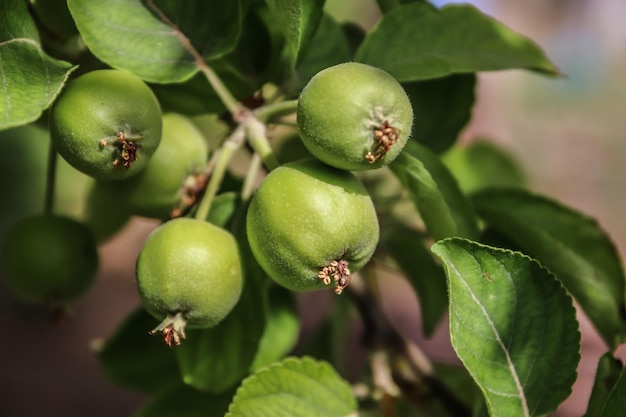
(566, 133)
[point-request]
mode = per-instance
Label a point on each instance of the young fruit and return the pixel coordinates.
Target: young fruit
(310, 225)
(354, 116)
(189, 274)
(106, 123)
(173, 178)
(49, 259)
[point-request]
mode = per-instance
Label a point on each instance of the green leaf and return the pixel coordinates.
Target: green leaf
(295, 388)
(616, 402)
(148, 38)
(609, 370)
(223, 208)
(442, 107)
(417, 42)
(331, 48)
(570, 244)
(445, 210)
(482, 164)
(406, 247)
(425, 194)
(216, 359)
(298, 20)
(184, 401)
(282, 327)
(132, 358)
(30, 79)
(240, 70)
(513, 326)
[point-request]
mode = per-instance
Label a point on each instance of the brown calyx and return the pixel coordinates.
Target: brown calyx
(126, 150)
(385, 136)
(336, 272)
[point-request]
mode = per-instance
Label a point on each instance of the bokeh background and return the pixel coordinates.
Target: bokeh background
(566, 133)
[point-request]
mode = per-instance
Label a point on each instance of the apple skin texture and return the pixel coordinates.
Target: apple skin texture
(90, 114)
(192, 267)
(339, 108)
(306, 214)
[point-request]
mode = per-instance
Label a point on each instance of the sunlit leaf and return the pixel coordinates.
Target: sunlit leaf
(513, 326)
(417, 42)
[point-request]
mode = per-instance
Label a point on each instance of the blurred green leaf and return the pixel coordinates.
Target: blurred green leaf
(298, 20)
(282, 327)
(513, 326)
(482, 164)
(295, 387)
(616, 401)
(216, 359)
(132, 358)
(148, 38)
(443, 207)
(442, 107)
(570, 244)
(30, 78)
(331, 48)
(425, 194)
(184, 401)
(608, 373)
(407, 248)
(417, 42)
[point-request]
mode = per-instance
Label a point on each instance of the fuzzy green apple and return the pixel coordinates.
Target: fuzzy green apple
(189, 275)
(106, 123)
(49, 259)
(310, 226)
(354, 116)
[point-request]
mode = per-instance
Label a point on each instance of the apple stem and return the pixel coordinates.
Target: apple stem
(172, 328)
(221, 159)
(48, 207)
(256, 133)
(275, 110)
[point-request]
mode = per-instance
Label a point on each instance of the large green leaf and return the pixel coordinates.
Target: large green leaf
(30, 80)
(513, 326)
(444, 209)
(132, 358)
(407, 248)
(184, 401)
(152, 38)
(417, 42)
(608, 373)
(298, 20)
(571, 244)
(616, 402)
(441, 107)
(294, 388)
(282, 327)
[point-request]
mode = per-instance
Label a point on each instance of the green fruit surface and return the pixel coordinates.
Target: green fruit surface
(49, 259)
(97, 106)
(306, 214)
(335, 110)
(191, 267)
(156, 190)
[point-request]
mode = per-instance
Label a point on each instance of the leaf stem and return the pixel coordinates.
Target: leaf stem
(48, 205)
(275, 110)
(231, 103)
(221, 159)
(256, 133)
(249, 182)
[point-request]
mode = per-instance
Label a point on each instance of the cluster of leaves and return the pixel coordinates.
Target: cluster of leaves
(506, 263)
